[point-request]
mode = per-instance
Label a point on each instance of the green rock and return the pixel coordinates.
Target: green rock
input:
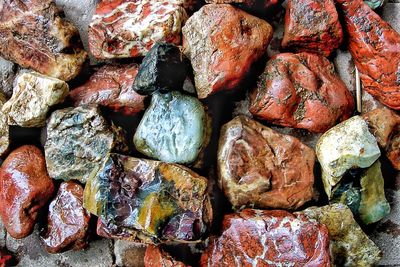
(374, 4)
(349, 195)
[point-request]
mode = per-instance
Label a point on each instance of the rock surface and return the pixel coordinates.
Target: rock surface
(129, 254)
(7, 76)
(374, 4)
(4, 129)
(258, 7)
(155, 257)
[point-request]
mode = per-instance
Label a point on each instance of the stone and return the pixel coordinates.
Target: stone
(262, 168)
(127, 28)
(34, 35)
(175, 128)
(222, 43)
(8, 71)
(129, 254)
(5, 258)
(156, 257)
(111, 87)
(312, 26)
(164, 68)
(67, 220)
(25, 187)
(78, 140)
(148, 201)
(257, 7)
(4, 129)
(268, 238)
(34, 94)
(301, 91)
(374, 4)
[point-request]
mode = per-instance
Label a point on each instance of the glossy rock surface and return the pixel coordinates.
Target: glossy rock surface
(25, 187)
(155, 257)
(263, 168)
(222, 43)
(301, 91)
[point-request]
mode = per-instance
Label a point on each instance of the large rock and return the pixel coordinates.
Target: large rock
(156, 257)
(222, 43)
(263, 168)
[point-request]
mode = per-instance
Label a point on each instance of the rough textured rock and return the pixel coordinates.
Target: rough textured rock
(67, 220)
(129, 254)
(126, 28)
(262, 168)
(222, 42)
(148, 201)
(78, 140)
(7, 76)
(110, 86)
(374, 4)
(268, 238)
(4, 129)
(175, 128)
(34, 35)
(25, 187)
(259, 7)
(375, 48)
(301, 91)
(155, 257)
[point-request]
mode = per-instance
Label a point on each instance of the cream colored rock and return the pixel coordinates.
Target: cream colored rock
(4, 131)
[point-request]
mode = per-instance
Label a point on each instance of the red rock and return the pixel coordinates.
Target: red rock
(312, 26)
(301, 91)
(268, 238)
(111, 86)
(260, 7)
(25, 187)
(67, 221)
(222, 43)
(155, 257)
(375, 48)
(5, 258)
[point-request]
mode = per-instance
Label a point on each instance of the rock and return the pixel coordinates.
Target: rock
(34, 35)
(34, 94)
(5, 258)
(155, 257)
(268, 238)
(25, 187)
(349, 245)
(67, 221)
(78, 140)
(111, 86)
(8, 71)
(257, 7)
(148, 201)
(164, 68)
(4, 129)
(129, 254)
(346, 146)
(312, 26)
(121, 29)
(374, 4)
(262, 168)
(222, 42)
(175, 128)
(301, 91)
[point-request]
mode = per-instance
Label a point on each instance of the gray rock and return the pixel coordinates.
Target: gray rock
(7, 76)
(129, 254)
(4, 132)
(2, 234)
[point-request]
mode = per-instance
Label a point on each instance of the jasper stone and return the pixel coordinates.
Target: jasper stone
(301, 91)
(174, 128)
(111, 87)
(67, 220)
(78, 140)
(127, 28)
(268, 238)
(260, 167)
(258, 7)
(25, 187)
(4, 129)
(222, 42)
(148, 201)
(34, 94)
(155, 257)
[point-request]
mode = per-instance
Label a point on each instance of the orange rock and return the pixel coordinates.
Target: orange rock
(155, 257)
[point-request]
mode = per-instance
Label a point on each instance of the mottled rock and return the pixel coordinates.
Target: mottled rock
(263, 168)
(156, 257)
(301, 91)
(222, 42)
(259, 7)
(25, 187)
(8, 71)
(4, 129)
(129, 254)
(374, 4)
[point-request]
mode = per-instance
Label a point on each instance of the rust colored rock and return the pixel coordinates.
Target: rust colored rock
(263, 168)
(111, 86)
(312, 26)
(155, 257)
(301, 91)
(25, 187)
(268, 238)
(259, 7)
(67, 221)
(375, 48)
(222, 43)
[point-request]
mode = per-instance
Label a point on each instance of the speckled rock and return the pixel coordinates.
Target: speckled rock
(4, 129)
(7, 75)
(258, 7)
(156, 257)
(129, 254)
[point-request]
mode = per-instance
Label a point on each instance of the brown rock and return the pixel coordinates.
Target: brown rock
(301, 91)
(258, 166)
(25, 187)
(222, 43)
(155, 257)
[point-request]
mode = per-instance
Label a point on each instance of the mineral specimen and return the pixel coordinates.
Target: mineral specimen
(259, 7)
(25, 187)
(301, 91)
(263, 168)
(111, 86)
(4, 129)
(155, 257)
(175, 128)
(34, 35)
(67, 221)
(374, 4)
(78, 140)
(128, 28)
(268, 238)
(222, 43)
(148, 201)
